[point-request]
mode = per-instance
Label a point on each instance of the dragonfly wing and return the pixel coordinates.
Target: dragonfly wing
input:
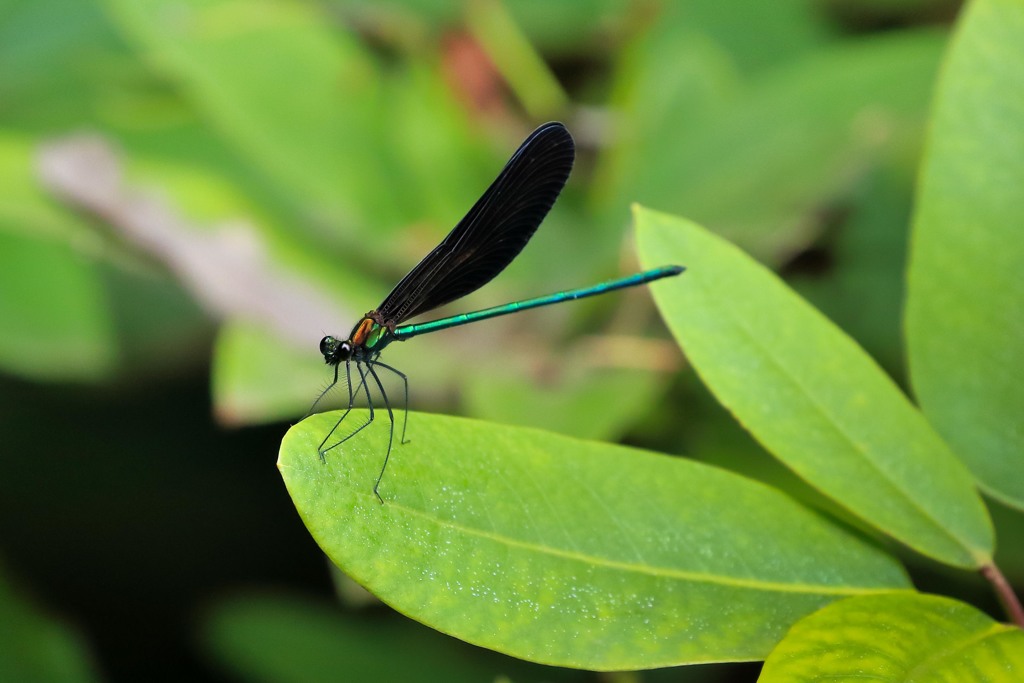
(493, 232)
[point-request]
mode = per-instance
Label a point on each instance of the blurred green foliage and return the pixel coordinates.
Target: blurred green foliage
(37, 647)
(329, 145)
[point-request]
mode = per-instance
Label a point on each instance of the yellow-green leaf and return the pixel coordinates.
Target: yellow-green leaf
(811, 396)
(898, 638)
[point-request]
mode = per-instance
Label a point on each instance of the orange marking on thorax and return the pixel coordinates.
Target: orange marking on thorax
(361, 332)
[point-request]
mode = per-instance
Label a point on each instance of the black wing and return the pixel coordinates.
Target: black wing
(493, 232)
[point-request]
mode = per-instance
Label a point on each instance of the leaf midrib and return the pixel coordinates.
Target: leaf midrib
(649, 570)
(839, 429)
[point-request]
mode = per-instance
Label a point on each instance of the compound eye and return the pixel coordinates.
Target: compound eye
(344, 351)
(327, 345)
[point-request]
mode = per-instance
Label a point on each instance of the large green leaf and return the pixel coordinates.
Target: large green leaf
(964, 322)
(571, 552)
(811, 396)
(898, 638)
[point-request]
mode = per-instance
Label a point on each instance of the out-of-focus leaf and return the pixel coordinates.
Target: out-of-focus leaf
(582, 401)
(873, 14)
(548, 23)
(662, 87)
(756, 34)
(295, 96)
(53, 312)
(512, 54)
(862, 263)
(811, 396)
(544, 22)
(59, 59)
(272, 293)
(762, 165)
(1009, 523)
(443, 164)
(229, 269)
(570, 552)
(277, 639)
(897, 638)
(256, 377)
(965, 303)
(36, 648)
(55, 320)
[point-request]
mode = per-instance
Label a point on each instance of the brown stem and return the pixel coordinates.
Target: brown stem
(1004, 591)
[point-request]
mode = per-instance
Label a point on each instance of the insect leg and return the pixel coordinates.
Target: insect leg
(405, 382)
(351, 400)
(391, 435)
(366, 388)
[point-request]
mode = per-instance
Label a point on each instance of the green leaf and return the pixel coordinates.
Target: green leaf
(965, 331)
(811, 396)
(897, 638)
(36, 648)
(570, 552)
